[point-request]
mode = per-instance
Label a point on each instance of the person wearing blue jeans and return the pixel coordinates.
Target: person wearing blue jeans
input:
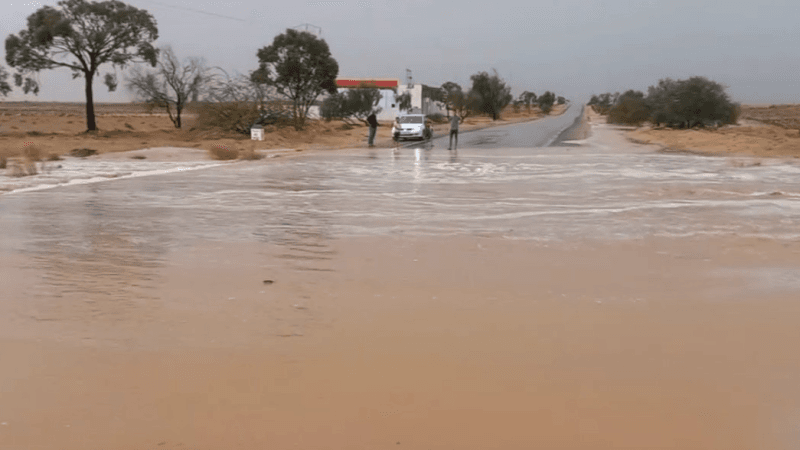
(373, 128)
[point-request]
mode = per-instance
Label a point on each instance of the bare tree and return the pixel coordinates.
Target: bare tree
(235, 103)
(171, 85)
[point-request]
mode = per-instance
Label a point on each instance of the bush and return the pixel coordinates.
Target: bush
(690, 103)
(333, 107)
(437, 118)
(228, 116)
(31, 152)
(601, 104)
(223, 153)
(83, 152)
(631, 108)
(546, 101)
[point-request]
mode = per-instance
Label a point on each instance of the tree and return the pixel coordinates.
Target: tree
(546, 101)
(451, 92)
(361, 102)
(235, 103)
(601, 103)
(464, 104)
(631, 108)
(490, 93)
(696, 101)
(404, 101)
(561, 100)
(527, 99)
(356, 103)
(5, 88)
(333, 107)
(300, 68)
(172, 85)
(81, 36)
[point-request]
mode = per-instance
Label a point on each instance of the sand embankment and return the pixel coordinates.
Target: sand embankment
(57, 129)
(762, 132)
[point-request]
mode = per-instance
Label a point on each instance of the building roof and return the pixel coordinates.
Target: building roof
(368, 82)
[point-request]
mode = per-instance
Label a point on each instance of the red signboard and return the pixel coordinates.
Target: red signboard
(368, 82)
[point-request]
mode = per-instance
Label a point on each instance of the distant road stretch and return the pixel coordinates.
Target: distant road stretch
(539, 133)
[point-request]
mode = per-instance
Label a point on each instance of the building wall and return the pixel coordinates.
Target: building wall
(389, 106)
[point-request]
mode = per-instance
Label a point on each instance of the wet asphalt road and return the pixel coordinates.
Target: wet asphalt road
(539, 133)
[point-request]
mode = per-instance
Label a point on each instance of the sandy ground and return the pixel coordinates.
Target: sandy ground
(425, 344)
(467, 343)
(762, 132)
(57, 129)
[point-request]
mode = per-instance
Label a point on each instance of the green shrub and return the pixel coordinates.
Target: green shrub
(631, 108)
(690, 103)
(546, 101)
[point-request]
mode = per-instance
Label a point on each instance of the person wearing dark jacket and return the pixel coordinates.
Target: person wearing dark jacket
(373, 128)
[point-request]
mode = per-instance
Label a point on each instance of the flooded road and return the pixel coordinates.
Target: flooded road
(596, 295)
(553, 193)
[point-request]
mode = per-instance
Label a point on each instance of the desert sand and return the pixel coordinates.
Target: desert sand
(426, 344)
(58, 128)
(770, 132)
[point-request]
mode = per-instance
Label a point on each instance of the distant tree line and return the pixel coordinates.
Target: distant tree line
(490, 95)
(690, 103)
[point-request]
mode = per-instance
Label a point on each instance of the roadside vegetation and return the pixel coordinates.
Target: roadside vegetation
(696, 102)
(207, 107)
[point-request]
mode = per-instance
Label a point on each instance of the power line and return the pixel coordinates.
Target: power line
(193, 10)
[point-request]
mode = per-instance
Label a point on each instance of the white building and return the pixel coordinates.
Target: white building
(390, 89)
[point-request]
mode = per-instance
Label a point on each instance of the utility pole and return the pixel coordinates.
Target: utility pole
(409, 79)
(309, 28)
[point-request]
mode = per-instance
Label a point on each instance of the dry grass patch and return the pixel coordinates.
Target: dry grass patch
(223, 153)
(31, 152)
(83, 152)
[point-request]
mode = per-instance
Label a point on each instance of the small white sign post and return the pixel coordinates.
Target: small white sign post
(257, 133)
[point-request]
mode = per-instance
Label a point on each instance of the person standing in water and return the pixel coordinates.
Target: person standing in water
(373, 128)
(454, 120)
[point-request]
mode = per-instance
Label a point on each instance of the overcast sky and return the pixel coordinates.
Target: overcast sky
(574, 48)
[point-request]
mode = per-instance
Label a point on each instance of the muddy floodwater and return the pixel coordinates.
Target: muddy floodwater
(595, 295)
(554, 193)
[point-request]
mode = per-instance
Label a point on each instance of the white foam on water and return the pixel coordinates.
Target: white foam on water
(77, 171)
